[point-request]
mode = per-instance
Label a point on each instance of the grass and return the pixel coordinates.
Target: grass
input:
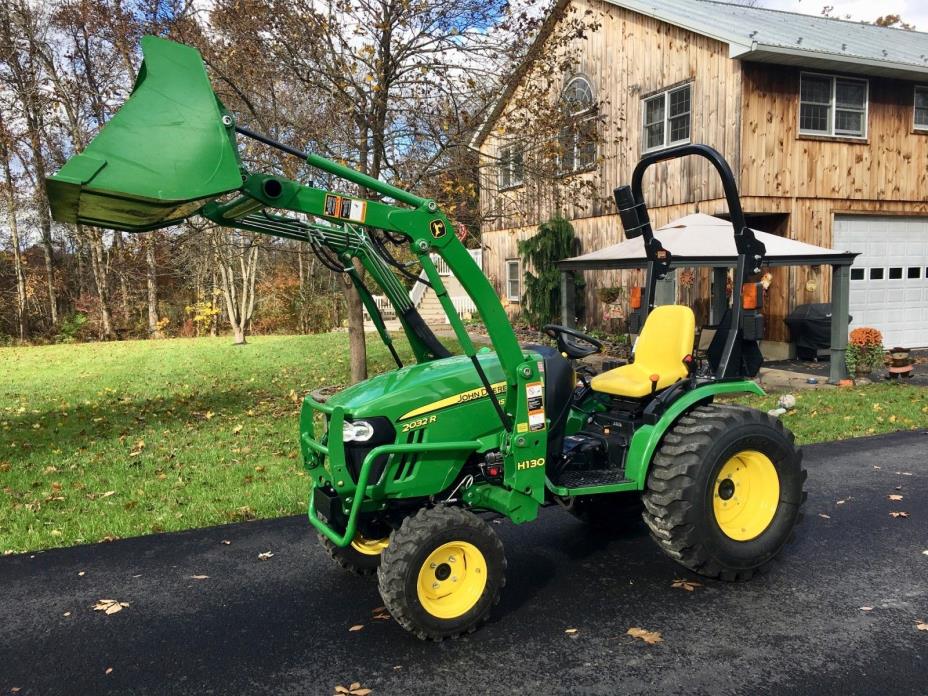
(108, 440)
(822, 415)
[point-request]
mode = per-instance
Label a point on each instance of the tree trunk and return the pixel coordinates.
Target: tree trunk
(98, 266)
(357, 344)
(151, 278)
(22, 318)
(119, 252)
(240, 299)
(45, 220)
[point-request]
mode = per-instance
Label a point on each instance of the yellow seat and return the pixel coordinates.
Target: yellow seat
(665, 340)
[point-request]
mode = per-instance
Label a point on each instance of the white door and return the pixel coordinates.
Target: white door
(889, 280)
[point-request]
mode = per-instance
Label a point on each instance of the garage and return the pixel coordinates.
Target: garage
(889, 280)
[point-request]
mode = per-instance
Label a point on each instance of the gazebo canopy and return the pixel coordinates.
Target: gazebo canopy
(704, 240)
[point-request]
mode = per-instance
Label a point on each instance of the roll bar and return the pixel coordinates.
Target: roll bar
(634, 215)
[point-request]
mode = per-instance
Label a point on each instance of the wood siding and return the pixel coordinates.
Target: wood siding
(890, 164)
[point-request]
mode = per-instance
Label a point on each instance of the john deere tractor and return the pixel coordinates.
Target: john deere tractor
(406, 467)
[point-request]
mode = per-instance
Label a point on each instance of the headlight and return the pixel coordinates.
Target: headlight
(357, 431)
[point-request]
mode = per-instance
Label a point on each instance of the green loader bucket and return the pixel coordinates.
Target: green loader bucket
(164, 155)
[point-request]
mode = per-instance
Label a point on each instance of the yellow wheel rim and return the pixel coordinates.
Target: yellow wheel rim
(746, 495)
(369, 547)
(452, 580)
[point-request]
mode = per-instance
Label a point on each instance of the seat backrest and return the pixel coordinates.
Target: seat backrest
(666, 338)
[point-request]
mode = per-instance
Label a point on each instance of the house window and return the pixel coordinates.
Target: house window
(834, 106)
(511, 166)
(921, 108)
(666, 118)
(577, 138)
(513, 280)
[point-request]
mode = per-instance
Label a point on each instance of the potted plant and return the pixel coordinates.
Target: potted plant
(864, 350)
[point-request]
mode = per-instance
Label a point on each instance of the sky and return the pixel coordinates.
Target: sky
(912, 11)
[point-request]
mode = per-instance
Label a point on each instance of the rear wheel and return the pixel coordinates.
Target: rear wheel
(442, 573)
(724, 491)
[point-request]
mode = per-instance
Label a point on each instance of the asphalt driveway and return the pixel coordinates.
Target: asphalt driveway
(281, 625)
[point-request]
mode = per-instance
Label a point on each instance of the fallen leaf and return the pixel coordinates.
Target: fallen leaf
(237, 429)
(67, 613)
(866, 608)
(898, 514)
(356, 627)
(894, 497)
(354, 685)
(925, 552)
(570, 631)
(266, 555)
(200, 577)
(841, 502)
(921, 625)
(877, 467)
(824, 516)
(108, 670)
(110, 606)
(361, 692)
(107, 494)
(341, 690)
(226, 542)
(649, 637)
(683, 584)
(80, 574)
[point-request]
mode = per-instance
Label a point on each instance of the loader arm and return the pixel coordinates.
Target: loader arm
(171, 153)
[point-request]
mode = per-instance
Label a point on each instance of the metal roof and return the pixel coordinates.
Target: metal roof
(789, 38)
(704, 240)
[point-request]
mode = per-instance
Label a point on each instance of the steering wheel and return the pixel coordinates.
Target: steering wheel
(574, 344)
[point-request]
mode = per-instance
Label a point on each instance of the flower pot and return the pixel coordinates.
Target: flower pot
(863, 370)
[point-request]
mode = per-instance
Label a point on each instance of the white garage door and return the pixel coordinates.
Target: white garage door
(889, 280)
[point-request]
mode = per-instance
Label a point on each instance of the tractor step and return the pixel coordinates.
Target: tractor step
(591, 477)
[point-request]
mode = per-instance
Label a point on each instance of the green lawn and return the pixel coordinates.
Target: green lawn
(107, 440)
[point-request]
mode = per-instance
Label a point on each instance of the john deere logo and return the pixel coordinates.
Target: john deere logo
(438, 228)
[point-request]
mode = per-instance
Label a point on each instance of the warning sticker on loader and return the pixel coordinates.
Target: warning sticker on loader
(535, 396)
(345, 208)
(536, 420)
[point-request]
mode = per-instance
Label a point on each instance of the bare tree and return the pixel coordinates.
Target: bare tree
(21, 36)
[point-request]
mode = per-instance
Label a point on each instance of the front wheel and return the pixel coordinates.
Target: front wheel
(361, 556)
(442, 572)
(724, 491)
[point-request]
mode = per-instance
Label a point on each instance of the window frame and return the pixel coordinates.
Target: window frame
(506, 166)
(509, 279)
(666, 142)
(921, 128)
(577, 121)
(833, 107)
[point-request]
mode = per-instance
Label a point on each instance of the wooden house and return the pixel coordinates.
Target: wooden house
(824, 121)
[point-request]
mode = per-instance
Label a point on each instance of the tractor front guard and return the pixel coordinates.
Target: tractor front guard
(362, 493)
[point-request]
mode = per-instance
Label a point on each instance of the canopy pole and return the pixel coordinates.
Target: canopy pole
(840, 306)
(719, 298)
(568, 299)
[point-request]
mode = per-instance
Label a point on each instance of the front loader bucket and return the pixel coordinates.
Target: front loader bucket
(161, 157)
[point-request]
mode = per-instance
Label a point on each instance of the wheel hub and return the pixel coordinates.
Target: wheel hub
(746, 495)
(452, 579)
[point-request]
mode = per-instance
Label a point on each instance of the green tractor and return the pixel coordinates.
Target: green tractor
(406, 467)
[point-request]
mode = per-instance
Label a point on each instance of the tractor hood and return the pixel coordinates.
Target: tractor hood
(169, 150)
(425, 388)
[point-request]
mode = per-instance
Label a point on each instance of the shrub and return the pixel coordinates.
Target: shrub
(864, 349)
(554, 241)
